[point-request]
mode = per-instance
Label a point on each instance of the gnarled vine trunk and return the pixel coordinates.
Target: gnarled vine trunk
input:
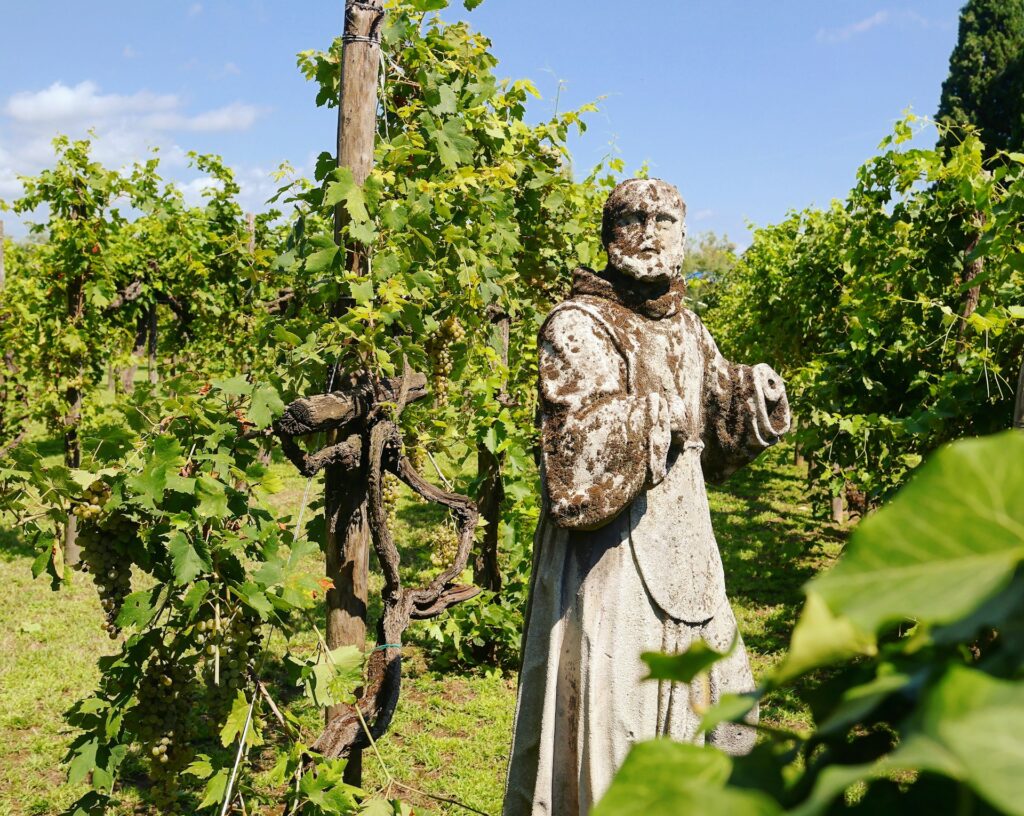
(370, 444)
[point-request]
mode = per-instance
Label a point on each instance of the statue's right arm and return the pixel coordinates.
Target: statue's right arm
(601, 445)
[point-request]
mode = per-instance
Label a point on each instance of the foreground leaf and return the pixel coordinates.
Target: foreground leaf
(947, 542)
(664, 778)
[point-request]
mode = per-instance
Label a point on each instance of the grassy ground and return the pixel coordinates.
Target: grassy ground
(451, 734)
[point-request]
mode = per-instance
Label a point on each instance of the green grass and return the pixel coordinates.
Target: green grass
(451, 734)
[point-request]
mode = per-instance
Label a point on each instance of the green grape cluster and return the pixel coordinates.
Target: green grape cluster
(91, 506)
(389, 493)
(106, 541)
(161, 719)
(417, 457)
(450, 332)
(443, 544)
(228, 640)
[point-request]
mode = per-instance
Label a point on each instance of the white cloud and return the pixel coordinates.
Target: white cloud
(231, 68)
(129, 53)
(236, 116)
(879, 18)
(124, 128)
(195, 9)
(60, 103)
(193, 190)
(84, 106)
(833, 35)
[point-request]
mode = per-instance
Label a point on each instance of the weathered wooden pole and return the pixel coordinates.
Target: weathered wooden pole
(152, 344)
(491, 493)
(347, 545)
(972, 270)
(250, 227)
(1018, 408)
(3, 273)
(73, 416)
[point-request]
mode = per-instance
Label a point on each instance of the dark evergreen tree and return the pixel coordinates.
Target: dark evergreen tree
(985, 86)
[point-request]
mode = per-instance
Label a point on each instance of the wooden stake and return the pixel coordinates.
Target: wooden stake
(491, 495)
(73, 396)
(3, 274)
(1018, 409)
(348, 536)
(250, 227)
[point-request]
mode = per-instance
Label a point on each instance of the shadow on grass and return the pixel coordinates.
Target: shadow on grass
(771, 545)
(13, 546)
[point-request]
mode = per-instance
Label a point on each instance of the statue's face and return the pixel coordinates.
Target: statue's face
(647, 234)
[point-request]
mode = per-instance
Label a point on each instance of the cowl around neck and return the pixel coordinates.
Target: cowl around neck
(654, 300)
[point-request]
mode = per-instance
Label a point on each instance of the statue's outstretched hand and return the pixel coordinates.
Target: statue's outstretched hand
(770, 384)
(771, 390)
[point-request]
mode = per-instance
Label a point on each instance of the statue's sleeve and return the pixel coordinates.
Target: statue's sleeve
(744, 410)
(601, 445)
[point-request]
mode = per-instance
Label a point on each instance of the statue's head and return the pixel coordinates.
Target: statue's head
(643, 230)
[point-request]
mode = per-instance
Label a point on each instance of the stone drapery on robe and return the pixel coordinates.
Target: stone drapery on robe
(638, 409)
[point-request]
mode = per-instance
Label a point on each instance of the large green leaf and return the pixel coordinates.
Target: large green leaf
(188, 560)
(682, 668)
(266, 405)
(84, 760)
(236, 720)
(970, 726)
(947, 542)
(213, 500)
(819, 639)
(215, 788)
(140, 607)
(664, 778)
(166, 453)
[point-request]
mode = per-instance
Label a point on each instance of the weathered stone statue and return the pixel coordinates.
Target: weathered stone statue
(638, 409)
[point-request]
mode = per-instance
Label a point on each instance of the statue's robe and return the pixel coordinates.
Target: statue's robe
(625, 558)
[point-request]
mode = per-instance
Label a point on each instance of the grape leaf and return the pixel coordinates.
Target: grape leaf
(682, 668)
(665, 778)
(84, 760)
(266, 405)
(140, 607)
(948, 541)
(236, 720)
(188, 561)
(213, 500)
(213, 793)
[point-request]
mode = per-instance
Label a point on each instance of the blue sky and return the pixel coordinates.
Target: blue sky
(750, 108)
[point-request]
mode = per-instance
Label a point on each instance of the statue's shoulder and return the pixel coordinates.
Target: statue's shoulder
(690, 319)
(581, 310)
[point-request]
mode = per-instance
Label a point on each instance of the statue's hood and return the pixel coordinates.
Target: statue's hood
(653, 300)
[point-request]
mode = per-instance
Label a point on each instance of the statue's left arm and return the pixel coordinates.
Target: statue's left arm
(744, 410)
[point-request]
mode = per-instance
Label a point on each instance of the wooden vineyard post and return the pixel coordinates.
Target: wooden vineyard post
(1018, 408)
(3, 273)
(839, 502)
(491, 495)
(972, 270)
(347, 545)
(151, 319)
(250, 228)
(73, 395)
